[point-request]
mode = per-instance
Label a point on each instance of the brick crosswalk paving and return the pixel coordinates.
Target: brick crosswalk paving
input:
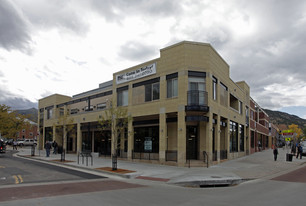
(37, 191)
(298, 175)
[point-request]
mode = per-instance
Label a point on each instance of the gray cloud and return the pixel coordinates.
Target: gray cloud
(116, 10)
(137, 51)
(273, 53)
(14, 33)
(65, 15)
(15, 102)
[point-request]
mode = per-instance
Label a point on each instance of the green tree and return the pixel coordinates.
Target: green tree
(11, 122)
(116, 120)
(64, 125)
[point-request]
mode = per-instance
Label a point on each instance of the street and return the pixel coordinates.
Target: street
(27, 182)
(15, 170)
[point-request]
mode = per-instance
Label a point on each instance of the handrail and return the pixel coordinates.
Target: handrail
(205, 157)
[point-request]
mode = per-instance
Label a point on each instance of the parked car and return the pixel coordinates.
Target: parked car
(10, 141)
(2, 146)
(20, 142)
(29, 142)
(304, 149)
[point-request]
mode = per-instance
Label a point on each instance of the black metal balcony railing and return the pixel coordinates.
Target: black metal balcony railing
(197, 101)
(196, 97)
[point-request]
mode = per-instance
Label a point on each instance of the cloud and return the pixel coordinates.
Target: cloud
(15, 102)
(137, 51)
(117, 10)
(15, 30)
(62, 15)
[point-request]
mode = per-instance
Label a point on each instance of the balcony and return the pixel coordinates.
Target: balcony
(197, 101)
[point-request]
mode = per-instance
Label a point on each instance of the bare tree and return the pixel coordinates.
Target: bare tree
(116, 120)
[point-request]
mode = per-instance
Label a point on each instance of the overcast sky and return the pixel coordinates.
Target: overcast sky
(69, 47)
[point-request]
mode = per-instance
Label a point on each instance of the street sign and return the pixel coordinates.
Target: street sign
(287, 139)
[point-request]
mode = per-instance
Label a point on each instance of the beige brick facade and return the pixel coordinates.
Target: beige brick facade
(182, 105)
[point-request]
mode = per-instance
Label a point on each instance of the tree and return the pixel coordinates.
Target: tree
(116, 120)
(11, 122)
(296, 130)
(65, 124)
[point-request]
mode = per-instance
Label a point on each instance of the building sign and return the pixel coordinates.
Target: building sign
(136, 74)
(287, 133)
(148, 144)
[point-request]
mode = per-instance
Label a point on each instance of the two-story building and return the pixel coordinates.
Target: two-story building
(183, 106)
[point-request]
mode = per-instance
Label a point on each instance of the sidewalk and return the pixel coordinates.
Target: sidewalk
(260, 165)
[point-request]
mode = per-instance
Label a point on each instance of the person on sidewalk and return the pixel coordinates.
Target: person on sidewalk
(293, 149)
(54, 147)
(299, 151)
(15, 145)
(48, 148)
(275, 153)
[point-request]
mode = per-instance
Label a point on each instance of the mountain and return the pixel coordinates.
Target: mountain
(32, 113)
(277, 117)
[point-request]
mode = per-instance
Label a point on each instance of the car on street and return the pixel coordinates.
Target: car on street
(303, 144)
(2, 146)
(20, 142)
(29, 142)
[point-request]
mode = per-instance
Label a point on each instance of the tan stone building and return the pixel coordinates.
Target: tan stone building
(183, 106)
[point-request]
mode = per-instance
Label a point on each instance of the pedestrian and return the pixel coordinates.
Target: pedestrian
(54, 147)
(275, 153)
(15, 145)
(259, 146)
(48, 148)
(293, 149)
(299, 151)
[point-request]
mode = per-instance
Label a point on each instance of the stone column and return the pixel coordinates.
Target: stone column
(217, 135)
(162, 135)
(181, 135)
(79, 138)
(130, 139)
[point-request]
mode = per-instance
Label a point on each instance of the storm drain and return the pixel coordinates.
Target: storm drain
(214, 182)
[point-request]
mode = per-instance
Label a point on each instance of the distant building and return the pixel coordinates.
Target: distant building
(183, 106)
(30, 132)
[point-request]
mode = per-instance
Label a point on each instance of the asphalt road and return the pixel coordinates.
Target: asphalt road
(14, 170)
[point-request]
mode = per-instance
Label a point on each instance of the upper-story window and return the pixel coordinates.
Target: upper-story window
(146, 91)
(240, 107)
(49, 113)
(151, 92)
(101, 106)
(172, 85)
(214, 87)
(196, 83)
(61, 111)
(223, 95)
(123, 96)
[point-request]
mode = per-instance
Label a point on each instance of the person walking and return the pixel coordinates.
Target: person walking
(275, 153)
(48, 148)
(293, 149)
(15, 145)
(54, 147)
(299, 151)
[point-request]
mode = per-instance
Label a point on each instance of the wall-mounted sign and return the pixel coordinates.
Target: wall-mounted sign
(136, 74)
(148, 144)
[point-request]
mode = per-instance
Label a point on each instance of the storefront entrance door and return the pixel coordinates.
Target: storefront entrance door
(192, 142)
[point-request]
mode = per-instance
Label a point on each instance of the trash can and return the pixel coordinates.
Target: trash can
(60, 150)
(289, 157)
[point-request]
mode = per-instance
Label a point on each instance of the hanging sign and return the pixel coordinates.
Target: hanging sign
(136, 74)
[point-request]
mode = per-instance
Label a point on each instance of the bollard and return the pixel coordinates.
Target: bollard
(33, 150)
